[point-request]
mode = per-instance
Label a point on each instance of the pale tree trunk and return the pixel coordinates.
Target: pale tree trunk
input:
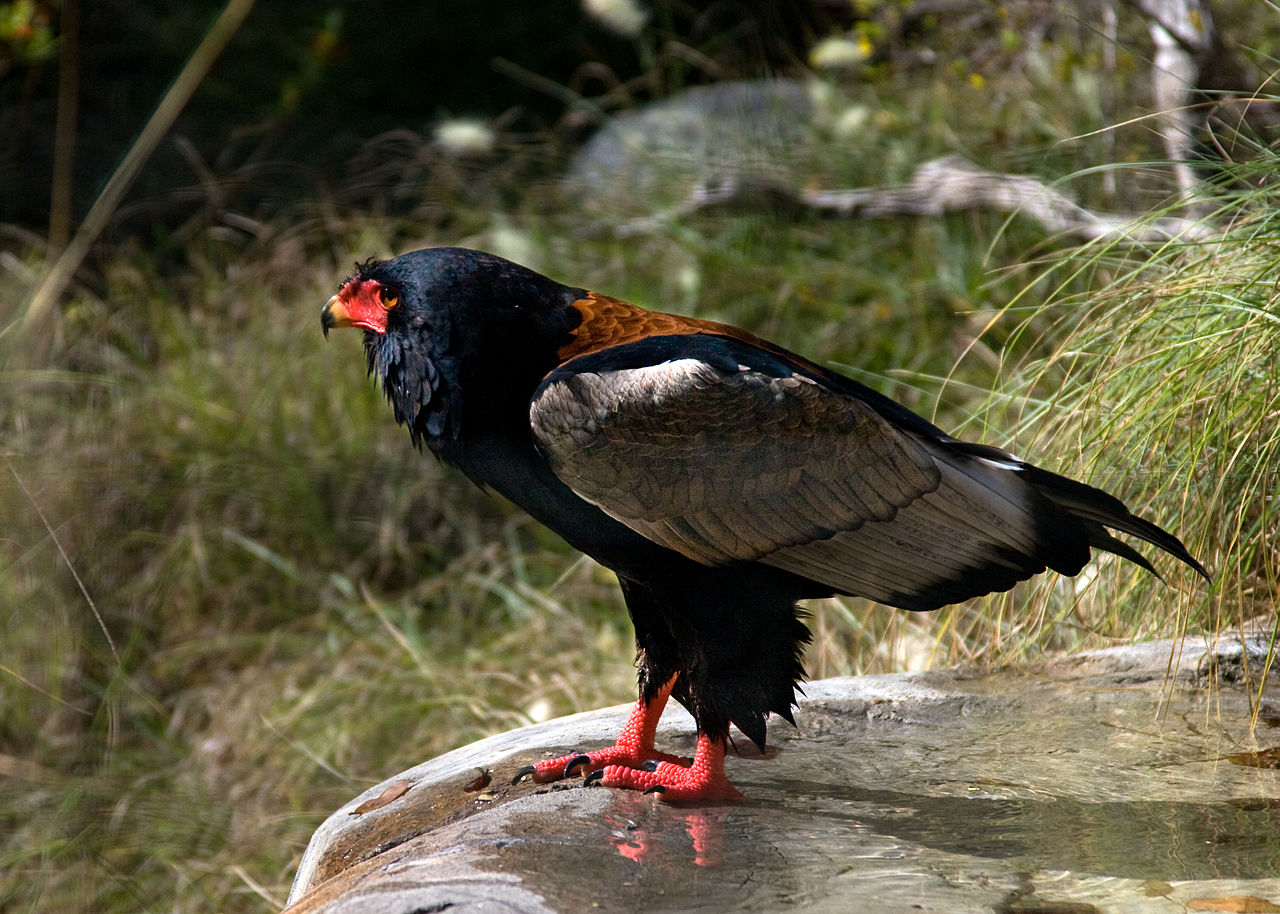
(1184, 37)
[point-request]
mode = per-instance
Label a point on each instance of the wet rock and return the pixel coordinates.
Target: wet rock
(1112, 781)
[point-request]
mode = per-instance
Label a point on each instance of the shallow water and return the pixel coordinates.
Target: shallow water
(1019, 795)
(1057, 793)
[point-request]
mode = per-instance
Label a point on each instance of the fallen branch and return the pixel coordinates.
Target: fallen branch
(946, 184)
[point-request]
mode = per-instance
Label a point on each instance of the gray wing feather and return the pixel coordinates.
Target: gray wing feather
(742, 466)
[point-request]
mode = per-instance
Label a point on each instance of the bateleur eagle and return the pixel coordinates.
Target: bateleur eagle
(721, 477)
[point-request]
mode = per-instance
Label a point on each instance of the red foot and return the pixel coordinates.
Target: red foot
(580, 763)
(702, 781)
(633, 763)
(633, 748)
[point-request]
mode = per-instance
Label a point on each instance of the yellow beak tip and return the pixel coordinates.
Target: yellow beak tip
(334, 314)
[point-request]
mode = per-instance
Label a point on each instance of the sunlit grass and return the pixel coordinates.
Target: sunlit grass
(304, 605)
(1164, 387)
(301, 605)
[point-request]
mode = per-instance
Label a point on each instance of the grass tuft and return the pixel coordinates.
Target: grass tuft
(232, 595)
(1163, 387)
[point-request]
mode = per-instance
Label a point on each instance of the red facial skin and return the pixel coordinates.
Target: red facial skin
(361, 303)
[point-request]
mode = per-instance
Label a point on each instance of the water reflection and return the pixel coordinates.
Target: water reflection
(1132, 839)
(640, 844)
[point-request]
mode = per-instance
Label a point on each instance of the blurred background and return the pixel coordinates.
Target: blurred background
(231, 593)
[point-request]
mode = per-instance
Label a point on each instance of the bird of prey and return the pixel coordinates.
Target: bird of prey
(720, 476)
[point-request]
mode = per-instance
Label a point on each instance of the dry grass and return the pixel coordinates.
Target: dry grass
(1162, 386)
(231, 595)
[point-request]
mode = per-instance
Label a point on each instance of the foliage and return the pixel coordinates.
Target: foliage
(231, 595)
(24, 33)
(1163, 386)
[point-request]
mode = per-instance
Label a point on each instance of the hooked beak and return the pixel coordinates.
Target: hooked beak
(334, 315)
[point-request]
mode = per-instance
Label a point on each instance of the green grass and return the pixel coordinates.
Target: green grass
(303, 605)
(1161, 385)
(299, 605)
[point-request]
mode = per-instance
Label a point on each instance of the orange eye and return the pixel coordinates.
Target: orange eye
(388, 296)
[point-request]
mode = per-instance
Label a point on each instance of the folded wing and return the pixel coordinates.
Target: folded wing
(724, 453)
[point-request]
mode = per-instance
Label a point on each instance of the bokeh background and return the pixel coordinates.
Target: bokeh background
(232, 594)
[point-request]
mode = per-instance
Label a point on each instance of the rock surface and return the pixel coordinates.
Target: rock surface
(1125, 780)
(657, 154)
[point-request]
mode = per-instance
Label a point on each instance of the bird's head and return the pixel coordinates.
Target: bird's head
(453, 332)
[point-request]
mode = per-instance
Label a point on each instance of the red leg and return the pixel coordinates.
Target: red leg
(633, 748)
(702, 781)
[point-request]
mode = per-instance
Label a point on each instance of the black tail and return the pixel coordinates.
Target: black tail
(1096, 510)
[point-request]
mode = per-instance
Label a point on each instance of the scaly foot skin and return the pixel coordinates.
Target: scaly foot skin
(621, 754)
(632, 763)
(633, 748)
(702, 781)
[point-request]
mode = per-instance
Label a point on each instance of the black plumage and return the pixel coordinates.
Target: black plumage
(721, 477)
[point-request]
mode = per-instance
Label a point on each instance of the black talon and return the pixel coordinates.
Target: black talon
(523, 773)
(574, 763)
(594, 777)
(657, 788)
(651, 765)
